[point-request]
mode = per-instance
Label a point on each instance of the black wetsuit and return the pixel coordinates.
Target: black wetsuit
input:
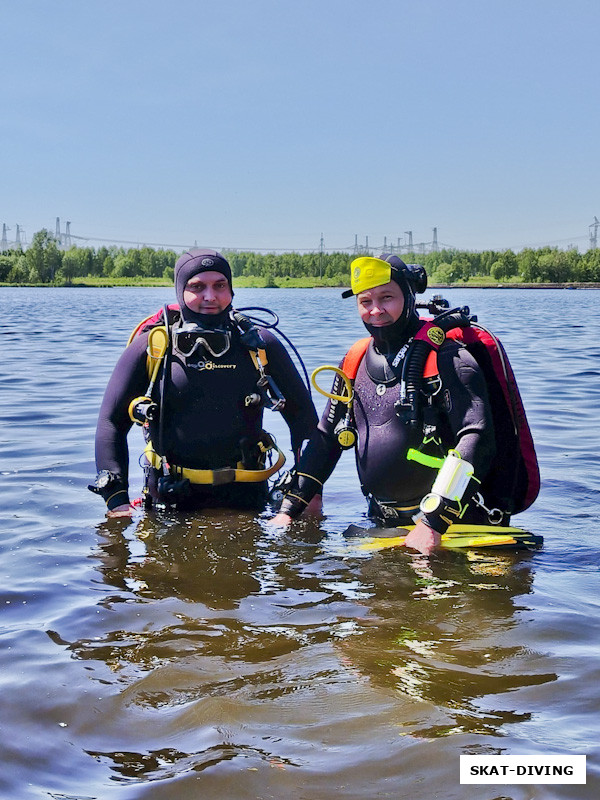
(393, 484)
(207, 424)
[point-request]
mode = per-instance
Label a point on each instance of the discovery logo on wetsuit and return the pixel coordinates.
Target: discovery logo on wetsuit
(203, 365)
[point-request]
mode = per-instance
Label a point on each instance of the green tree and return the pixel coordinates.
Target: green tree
(146, 262)
(338, 264)
(291, 264)
(19, 271)
(135, 261)
(506, 266)
(6, 264)
(431, 261)
(162, 260)
(53, 261)
(124, 267)
(70, 266)
(444, 273)
(108, 266)
(461, 267)
(37, 267)
(85, 257)
(528, 265)
(237, 262)
(557, 266)
(99, 258)
(590, 266)
(252, 267)
(311, 264)
(269, 265)
(486, 259)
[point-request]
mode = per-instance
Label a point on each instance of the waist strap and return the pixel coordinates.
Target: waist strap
(218, 477)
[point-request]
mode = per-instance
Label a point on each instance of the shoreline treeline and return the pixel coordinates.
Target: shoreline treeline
(45, 263)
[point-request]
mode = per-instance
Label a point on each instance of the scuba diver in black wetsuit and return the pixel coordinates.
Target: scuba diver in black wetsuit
(377, 420)
(211, 372)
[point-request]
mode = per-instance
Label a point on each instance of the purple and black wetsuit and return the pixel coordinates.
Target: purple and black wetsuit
(387, 477)
(459, 417)
(206, 420)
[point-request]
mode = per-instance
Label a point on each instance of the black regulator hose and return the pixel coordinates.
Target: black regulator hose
(250, 335)
(242, 320)
(408, 406)
(414, 364)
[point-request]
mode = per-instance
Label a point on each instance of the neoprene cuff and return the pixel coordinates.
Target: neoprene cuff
(118, 498)
(441, 519)
(292, 506)
(302, 490)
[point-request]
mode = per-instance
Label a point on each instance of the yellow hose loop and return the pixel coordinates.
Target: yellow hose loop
(158, 341)
(346, 398)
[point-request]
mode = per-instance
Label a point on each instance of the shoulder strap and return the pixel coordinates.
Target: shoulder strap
(431, 367)
(357, 352)
(158, 318)
(158, 340)
(354, 356)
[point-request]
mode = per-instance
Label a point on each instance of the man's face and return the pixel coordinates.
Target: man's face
(381, 305)
(207, 293)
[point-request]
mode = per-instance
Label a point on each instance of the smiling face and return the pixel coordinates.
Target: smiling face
(381, 305)
(207, 293)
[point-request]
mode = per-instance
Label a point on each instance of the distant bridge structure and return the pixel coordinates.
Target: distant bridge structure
(594, 233)
(401, 245)
(65, 239)
(398, 245)
(18, 243)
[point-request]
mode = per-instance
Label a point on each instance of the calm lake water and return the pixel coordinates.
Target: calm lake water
(206, 656)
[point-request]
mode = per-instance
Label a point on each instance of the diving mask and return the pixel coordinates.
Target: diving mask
(189, 338)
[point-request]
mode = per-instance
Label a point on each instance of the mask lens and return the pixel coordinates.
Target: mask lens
(187, 342)
(216, 342)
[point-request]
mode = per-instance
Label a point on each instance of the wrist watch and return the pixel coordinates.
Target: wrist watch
(103, 480)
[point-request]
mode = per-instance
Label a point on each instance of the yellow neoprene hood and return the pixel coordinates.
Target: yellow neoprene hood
(366, 273)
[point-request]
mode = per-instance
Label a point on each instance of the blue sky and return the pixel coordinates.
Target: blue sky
(266, 123)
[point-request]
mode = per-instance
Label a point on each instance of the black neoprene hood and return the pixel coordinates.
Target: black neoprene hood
(192, 263)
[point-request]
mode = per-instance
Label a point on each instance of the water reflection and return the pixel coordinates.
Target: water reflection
(170, 763)
(242, 641)
(206, 559)
(448, 632)
(243, 665)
